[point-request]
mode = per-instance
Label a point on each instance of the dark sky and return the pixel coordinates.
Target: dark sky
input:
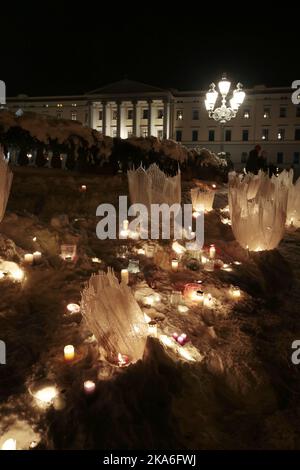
(64, 48)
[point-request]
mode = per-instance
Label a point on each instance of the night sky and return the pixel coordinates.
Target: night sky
(50, 48)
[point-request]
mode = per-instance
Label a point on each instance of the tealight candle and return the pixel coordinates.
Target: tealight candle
(212, 251)
(73, 308)
(174, 264)
(125, 276)
(89, 387)
(69, 352)
(9, 444)
(28, 258)
(37, 256)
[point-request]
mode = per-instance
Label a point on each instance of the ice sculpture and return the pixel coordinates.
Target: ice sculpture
(202, 198)
(258, 223)
(153, 186)
(6, 177)
(293, 211)
(114, 317)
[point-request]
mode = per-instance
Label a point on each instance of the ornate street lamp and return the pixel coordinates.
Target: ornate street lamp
(224, 113)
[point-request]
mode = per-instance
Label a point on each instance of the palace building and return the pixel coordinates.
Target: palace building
(127, 108)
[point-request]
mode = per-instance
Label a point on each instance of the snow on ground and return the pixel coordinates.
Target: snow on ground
(231, 386)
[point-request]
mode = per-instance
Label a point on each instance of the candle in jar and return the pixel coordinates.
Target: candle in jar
(69, 352)
(28, 258)
(174, 265)
(152, 328)
(212, 251)
(125, 276)
(37, 256)
(235, 292)
(89, 387)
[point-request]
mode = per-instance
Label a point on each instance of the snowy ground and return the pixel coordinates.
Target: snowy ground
(232, 386)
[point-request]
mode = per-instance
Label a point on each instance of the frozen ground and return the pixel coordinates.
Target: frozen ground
(234, 386)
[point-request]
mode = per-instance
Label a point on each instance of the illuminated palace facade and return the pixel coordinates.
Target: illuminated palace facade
(128, 108)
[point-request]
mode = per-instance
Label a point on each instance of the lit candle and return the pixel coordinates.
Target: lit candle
(89, 387)
(28, 258)
(9, 444)
(122, 360)
(212, 251)
(69, 352)
(182, 308)
(152, 328)
(125, 224)
(125, 276)
(34, 239)
(37, 256)
(235, 292)
(174, 264)
(73, 308)
(198, 296)
(83, 188)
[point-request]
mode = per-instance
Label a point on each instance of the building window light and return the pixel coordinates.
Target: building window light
(246, 115)
(74, 105)
(179, 115)
(59, 105)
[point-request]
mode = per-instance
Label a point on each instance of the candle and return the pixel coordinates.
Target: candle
(174, 265)
(73, 308)
(9, 444)
(17, 274)
(235, 292)
(212, 251)
(37, 256)
(125, 224)
(69, 352)
(125, 276)
(34, 239)
(122, 360)
(83, 188)
(89, 387)
(28, 258)
(152, 328)
(198, 296)
(182, 308)
(141, 251)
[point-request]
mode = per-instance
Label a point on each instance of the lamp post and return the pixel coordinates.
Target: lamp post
(224, 113)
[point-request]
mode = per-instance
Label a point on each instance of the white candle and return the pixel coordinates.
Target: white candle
(125, 224)
(9, 444)
(37, 256)
(28, 258)
(212, 251)
(152, 328)
(73, 308)
(69, 352)
(174, 264)
(198, 296)
(235, 292)
(125, 276)
(89, 387)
